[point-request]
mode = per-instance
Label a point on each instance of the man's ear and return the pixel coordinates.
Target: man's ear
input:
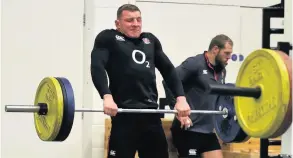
(215, 49)
(117, 23)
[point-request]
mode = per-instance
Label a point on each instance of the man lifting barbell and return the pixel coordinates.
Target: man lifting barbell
(258, 109)
(254, 114)
(130, 58)
(196, 73)
(262, 98)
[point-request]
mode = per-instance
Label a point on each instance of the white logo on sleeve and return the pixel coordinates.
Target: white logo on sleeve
(192, 152)
(204, 71)
(119, 38)
(112, 153)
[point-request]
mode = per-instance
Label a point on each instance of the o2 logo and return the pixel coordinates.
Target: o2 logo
(238, 57)
(134, 52)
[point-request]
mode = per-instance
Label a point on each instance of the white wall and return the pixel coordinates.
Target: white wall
(88, 95)
(196, 25)
(244, 3)
(0, 75)
(39, 39)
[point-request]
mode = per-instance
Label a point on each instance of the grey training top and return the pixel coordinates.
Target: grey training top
(196, 73)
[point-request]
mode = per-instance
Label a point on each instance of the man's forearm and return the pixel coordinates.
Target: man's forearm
(99, 78)
(174, 83)
(173, 94)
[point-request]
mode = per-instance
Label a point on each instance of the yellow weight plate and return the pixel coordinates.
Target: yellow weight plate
(47, 126)
(288, 116)
(262, 117)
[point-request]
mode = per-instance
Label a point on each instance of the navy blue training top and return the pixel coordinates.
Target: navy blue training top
(196, 73)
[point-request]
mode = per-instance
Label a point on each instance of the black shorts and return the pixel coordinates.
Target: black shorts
(137, 132)
(193, 144)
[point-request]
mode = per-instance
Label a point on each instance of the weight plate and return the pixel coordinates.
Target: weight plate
(69, 109)
(226, 126)
(49, 92)
(288, 117)
(262, 117)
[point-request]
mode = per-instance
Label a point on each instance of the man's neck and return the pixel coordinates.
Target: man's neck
(211, 58)
(130, 38)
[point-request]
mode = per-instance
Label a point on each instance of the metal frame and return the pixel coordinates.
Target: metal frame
(285, 46)
(285, 156)
(276, 11)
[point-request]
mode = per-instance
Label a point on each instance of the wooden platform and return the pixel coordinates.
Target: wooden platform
(248, 149)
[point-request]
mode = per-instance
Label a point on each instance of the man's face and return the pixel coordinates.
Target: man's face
(223, 55)
(129, 23)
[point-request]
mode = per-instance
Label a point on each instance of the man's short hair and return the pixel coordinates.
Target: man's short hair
(128, 7)
(220, 41)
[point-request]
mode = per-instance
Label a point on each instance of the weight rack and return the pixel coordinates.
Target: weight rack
(264, 147)
(275, 11)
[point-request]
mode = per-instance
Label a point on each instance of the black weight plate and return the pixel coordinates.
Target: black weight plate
(227, 127)
(69, 109)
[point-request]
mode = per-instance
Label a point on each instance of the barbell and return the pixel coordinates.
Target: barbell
(55, 107)
(259, 105)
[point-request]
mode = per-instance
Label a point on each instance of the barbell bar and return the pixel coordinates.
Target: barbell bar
(234, 91)
(262, 99)
(38, 109)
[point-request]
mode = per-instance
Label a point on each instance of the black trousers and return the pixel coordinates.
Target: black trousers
(191, 144)
(137, 132)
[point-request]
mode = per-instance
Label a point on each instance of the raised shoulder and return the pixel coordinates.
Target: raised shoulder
(104, 39)
(199, 58)
(188, 62)
(105, 34)
(149, 35)
(193, 63)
